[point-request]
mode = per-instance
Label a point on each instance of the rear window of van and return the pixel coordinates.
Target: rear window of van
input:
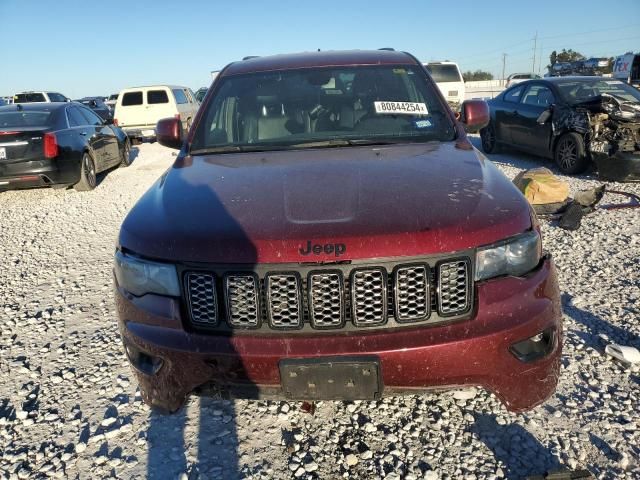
(180, 96)
(157, 96)
(29, 97)
(132, 98)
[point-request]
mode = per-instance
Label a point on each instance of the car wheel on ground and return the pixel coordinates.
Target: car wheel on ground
(87, 174)
(126, 154)
(488, 137)
(570, 154)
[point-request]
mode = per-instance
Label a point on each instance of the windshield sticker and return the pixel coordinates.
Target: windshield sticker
(401, 108)
(423, 124)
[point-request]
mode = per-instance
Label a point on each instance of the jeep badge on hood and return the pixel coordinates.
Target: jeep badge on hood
(336, 248)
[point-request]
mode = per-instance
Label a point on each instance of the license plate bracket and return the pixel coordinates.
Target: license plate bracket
(333, 378)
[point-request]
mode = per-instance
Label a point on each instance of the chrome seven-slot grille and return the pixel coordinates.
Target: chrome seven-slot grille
(331, 298)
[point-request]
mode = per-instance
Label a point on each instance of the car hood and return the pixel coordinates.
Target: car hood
(350, 202)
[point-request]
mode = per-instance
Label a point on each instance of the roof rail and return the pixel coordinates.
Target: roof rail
(387, 49)
(249, 57)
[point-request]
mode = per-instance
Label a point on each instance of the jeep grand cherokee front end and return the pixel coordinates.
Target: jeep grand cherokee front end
(328, 232)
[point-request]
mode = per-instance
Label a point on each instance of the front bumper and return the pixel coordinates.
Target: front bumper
(469, 352)
(140, 133)
(38, 173)
(619, 167)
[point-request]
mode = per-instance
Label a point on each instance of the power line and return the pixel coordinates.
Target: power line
(487, 53)
(591, 31)
(526, 52)
(606, 41)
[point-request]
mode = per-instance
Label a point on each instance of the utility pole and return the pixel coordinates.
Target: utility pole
(535, 44)
(504, 60)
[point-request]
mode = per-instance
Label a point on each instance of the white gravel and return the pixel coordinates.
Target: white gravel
(69, 407)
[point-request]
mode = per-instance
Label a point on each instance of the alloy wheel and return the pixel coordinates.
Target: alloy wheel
(567, 154)
(90, 171)
(488, 138)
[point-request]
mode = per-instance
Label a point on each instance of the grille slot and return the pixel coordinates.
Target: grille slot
(326, 299)
(284, 302)
(412, 299)
(242, 300)
(369, 297)
(202, 298)
(453, 287)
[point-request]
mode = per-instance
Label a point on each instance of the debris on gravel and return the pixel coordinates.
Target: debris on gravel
(69, 406)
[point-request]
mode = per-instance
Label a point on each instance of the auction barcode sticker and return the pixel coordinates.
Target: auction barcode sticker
(401, 108)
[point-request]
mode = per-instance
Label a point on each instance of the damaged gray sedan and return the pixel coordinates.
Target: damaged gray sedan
(573, 120)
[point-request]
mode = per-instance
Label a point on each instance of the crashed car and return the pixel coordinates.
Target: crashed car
(328, 232)
(576, 121)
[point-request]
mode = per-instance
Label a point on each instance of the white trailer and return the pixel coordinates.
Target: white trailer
(627, 68)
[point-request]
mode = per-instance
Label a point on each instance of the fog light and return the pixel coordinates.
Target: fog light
(147, 364)
(536, 347)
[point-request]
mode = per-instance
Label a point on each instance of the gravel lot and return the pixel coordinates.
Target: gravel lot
(69, 406)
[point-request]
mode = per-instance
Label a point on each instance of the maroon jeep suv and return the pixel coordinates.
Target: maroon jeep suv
(327, 232)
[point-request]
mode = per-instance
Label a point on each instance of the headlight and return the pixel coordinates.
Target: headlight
(516, 256)
(141, 276)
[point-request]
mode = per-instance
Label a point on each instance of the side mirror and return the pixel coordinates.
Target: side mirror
(169, 133)
(474, 115)
(544, 116)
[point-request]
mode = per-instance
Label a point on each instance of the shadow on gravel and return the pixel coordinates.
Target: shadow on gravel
(214, 437)
(512, 445)
(135, 151)
(201, 440)
(604, 447)
(518, 159)
(597, 326)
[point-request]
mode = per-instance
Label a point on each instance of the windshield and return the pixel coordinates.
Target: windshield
(306, 107)
(576, 91)
(23, 119)
(444, 73)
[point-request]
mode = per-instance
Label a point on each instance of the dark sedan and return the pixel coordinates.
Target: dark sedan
(98, 106)
(57, 144)
(573, 120)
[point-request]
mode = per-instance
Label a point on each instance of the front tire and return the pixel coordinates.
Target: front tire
(88, 178)
(126, 154)
(488, 138)
(570, 154)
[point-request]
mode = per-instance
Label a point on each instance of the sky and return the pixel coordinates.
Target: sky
(82, 48)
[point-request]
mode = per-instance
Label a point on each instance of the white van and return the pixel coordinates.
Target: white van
(138, 109)
(448, 77)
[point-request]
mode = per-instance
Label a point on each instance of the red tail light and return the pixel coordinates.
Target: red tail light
(50, 145)
(115, 122)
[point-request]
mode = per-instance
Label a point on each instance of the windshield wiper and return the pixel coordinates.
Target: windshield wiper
(343, 142)
(234, 149)
(222, 149)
